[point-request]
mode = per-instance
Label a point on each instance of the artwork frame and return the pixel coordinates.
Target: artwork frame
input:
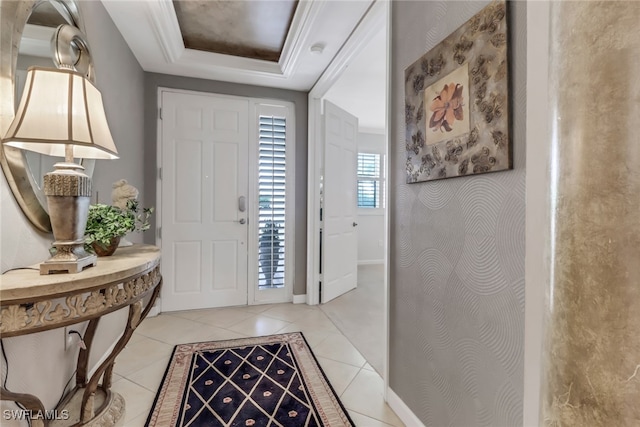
(457, 102)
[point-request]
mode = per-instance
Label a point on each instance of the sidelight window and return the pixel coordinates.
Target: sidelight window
(272, 164)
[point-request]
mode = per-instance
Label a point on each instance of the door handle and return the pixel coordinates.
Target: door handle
(355, 224)
(242, 203)
(242, 221)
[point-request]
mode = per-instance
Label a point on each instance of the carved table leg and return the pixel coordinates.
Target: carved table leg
(136, 316)
(83, 356)
(107, 377)
(30, 403)
(88, 411)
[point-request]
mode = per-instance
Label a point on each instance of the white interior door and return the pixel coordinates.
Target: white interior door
(204, 174)
(339, 231)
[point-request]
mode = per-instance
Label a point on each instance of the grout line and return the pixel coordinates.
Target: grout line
(365, 415)
(350, 382)
(156, 340)
(166, 362)
(339, 361)
(143, 386)
(385, 404)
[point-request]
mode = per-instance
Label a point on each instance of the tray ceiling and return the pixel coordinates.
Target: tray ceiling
(253, 29)
(238, 41)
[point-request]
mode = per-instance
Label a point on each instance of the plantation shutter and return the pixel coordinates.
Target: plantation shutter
(368, 180)
(271, 201)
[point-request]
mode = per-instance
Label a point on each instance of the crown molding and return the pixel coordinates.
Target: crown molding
(373, 19)
(306, 15)
(151, 30)
(164, 21)
(166, 29)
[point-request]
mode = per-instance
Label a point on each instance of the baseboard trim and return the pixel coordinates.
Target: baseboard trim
(300, 299)
(402, 410)
(371, 262)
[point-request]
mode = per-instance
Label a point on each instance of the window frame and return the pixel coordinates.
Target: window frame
(268, 107)
(381, 179)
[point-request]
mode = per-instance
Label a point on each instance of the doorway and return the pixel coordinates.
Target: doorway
(225, 197)
(355, 83)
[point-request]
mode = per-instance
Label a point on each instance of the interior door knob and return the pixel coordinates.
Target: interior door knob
(355, 224)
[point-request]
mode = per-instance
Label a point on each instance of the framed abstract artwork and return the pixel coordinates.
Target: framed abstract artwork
(457, 110)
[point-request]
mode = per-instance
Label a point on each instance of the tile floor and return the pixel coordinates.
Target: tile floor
(359, 314)
(141, 365)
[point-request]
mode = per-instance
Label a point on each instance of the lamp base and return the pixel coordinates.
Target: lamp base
(69, 258)
(68, 192)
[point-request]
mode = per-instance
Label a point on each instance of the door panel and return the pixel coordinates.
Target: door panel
(225, 268)
(340, 238)
(205, 142)
(187, 256)
(187, 165)
(225, 161)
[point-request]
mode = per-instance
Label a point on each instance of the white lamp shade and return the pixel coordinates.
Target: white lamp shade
(58, 108)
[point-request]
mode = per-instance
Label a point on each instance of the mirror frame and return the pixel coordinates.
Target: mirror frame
(14, 16)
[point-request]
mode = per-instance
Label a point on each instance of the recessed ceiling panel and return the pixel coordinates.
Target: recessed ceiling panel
(152, 31)
(253, 28)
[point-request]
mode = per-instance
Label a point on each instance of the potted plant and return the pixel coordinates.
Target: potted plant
(270, 244)
(106, 224)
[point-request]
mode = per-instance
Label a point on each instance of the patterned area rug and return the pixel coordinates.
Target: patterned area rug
(265, 381)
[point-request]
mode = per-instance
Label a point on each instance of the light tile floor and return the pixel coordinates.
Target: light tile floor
(141, 365)
(359, 314)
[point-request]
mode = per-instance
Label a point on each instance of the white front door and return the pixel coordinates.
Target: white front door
(204, 162)
(339, 236)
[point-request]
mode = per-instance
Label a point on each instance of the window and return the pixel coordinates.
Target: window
(272, 164)
(370, 181)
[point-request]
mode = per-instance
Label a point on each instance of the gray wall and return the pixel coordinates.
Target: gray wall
(153, 81)
(120, 79)
(457, 252)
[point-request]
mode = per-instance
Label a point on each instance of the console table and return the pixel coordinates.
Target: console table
(33, 303)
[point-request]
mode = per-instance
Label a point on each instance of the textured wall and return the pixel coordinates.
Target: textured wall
(153, 81)
(457, 254)
(592, 323)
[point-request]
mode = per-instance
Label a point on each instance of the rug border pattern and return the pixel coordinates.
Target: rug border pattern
(323, 397)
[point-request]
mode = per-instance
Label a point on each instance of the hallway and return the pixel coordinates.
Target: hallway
(140, 367)
(359, 314)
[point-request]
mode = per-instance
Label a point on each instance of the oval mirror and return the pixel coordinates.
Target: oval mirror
(27, 29)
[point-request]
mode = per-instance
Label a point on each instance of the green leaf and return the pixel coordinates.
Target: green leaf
(105, 222)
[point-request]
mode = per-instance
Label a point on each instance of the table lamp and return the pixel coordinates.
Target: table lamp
(61, 114)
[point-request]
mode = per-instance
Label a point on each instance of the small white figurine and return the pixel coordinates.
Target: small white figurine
(121, 194)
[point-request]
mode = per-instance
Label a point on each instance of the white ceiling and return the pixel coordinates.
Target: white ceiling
(361, 89)
(151, 30)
